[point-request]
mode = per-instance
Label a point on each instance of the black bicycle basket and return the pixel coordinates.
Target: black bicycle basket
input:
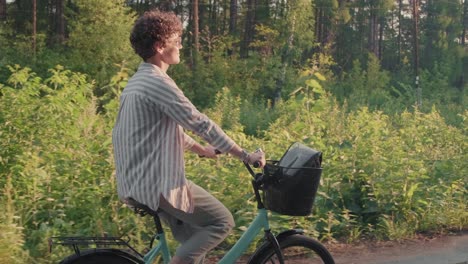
(290, 184)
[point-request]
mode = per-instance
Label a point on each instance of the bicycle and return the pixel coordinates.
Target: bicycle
(290, 246)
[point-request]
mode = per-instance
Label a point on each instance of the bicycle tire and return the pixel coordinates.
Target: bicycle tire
(297, 249)
(102, 256)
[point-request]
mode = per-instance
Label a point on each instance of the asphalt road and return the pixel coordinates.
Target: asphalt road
(447, 249)
(441, 250)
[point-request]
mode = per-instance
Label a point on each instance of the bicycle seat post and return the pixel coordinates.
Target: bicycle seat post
(157, 222)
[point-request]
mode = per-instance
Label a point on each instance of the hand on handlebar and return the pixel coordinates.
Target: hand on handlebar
(257, 158)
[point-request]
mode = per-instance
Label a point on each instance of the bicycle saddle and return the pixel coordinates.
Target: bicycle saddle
(140, 208)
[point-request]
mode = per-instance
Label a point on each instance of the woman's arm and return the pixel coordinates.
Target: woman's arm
(204, 151)
(211, 152)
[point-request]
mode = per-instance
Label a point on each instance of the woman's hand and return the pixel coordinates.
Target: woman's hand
(209, 152)
(257, 156)
(205, 151)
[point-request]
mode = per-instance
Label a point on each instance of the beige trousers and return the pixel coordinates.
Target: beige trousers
(200, 231)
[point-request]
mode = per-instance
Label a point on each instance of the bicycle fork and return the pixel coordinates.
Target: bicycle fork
(276, 246)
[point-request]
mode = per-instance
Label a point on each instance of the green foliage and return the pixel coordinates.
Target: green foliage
(249, 117)
(389, 169)
(256, 117)
(378, 168)
(12, 237)
(56, 150)
(299, 22)
(201, 85)
(99, 37)
(267, 40)
(365, 87)
(226, 112)
(385, 175)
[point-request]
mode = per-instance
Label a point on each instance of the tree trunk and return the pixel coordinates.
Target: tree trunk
(319, 25)
(381, 36)
(233, 17)
(3, 10)
(284, 60)
(213, 21)
(465, 22)
(416, 51)
(225, 23)
(196, 30)
(361, 25)
(60, 21)
(373, 32)
(249, 29)
(462, 81)
(167, 5)
(34, 25)
(400, 18)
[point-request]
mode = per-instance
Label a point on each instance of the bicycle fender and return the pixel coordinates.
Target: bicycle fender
(280, 237)
(287, 233)
(102, 252)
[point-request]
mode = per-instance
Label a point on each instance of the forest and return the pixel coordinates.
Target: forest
(378, 86)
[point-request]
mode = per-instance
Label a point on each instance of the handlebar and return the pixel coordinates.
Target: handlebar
(249, 168)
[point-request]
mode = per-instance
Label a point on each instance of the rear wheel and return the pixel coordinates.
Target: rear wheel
(297, 249)
(102, 256)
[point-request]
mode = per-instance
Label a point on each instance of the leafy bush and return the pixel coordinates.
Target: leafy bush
(11, 233)
(386, 176)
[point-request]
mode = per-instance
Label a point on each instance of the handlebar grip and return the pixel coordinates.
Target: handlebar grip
(256, 164)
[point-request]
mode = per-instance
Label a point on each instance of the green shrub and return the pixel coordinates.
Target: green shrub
(386, 176)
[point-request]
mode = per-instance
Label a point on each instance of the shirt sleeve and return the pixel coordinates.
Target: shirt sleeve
(174, 103)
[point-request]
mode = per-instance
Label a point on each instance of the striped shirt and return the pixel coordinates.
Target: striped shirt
(149, 139)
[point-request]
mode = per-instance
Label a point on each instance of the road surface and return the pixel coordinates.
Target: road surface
(451, 249)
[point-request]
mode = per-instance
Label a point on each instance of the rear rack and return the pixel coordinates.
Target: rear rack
(99, 242)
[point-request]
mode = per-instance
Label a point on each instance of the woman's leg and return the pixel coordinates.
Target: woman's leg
(200, 231)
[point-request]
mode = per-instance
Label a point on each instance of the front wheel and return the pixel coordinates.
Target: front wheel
(102, 256)
(297, 249)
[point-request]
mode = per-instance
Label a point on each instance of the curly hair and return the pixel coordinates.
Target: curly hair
(153, 26)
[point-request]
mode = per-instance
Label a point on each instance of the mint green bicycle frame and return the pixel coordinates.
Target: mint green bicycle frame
(260, 222)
